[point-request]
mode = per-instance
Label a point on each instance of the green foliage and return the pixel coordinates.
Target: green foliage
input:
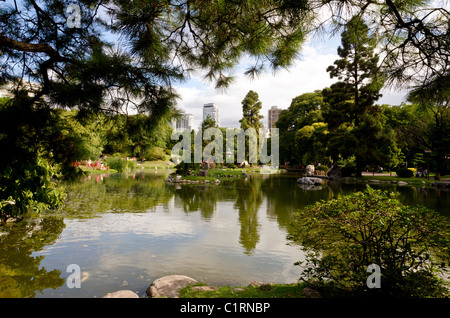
(344, 236)
(185, 169)
(208, 122)
(310, 142)
(419, 160)
(352, 118)
(434, 102)
(83, 133)
(155, 153)
(135, 135)
(347, 165)
(28, 172)
(303, 134)
(250, 291)
(251, 105)
(404, 173)
(117, 163)
(347, 162)
(30, 186)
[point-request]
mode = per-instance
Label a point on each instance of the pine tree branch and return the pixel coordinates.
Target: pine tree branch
(28, 47)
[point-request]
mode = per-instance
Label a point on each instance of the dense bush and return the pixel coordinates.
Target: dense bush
(30, 186)
(155, 153)
(342, 237)
(116, 163)
(322, 168)
(404, 173)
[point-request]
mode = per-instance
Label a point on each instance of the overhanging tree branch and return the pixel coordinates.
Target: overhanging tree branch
(28, 47)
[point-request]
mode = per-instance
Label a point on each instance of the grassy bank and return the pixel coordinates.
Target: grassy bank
(158, 164)
(221, 174)
(250, 291)
(394, 179)
(413, 181)
(92, 171)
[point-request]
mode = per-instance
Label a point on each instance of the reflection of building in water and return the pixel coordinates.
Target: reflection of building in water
(184, 122)
(212, 111)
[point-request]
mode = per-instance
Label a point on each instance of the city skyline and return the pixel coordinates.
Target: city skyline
(186, 121)
(306, 75)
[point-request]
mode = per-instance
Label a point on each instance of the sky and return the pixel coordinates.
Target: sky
(306, 75)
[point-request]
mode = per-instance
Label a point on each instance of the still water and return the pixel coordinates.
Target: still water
(126, 230)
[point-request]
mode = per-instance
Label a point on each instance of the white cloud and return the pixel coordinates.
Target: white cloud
(308, 74)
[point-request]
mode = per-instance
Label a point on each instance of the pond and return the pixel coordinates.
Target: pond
(126, 230)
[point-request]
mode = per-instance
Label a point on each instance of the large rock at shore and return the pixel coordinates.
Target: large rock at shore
(310, 181)
(309, 170)
(122, 294)
(169, 286)
(334, 173)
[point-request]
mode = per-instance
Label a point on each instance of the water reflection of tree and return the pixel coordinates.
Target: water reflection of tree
(248, 201)
(285, 196)
(133, 192)
(20, 273)
(197, 198)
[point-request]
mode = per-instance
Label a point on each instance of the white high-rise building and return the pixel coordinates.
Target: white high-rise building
(185, 122)
(212, 111)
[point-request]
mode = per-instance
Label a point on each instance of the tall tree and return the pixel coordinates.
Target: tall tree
(351, 115)
(251, 105)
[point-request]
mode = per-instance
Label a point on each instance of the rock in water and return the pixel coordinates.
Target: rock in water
(334, 173)
(122, 294)
(169, 286)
